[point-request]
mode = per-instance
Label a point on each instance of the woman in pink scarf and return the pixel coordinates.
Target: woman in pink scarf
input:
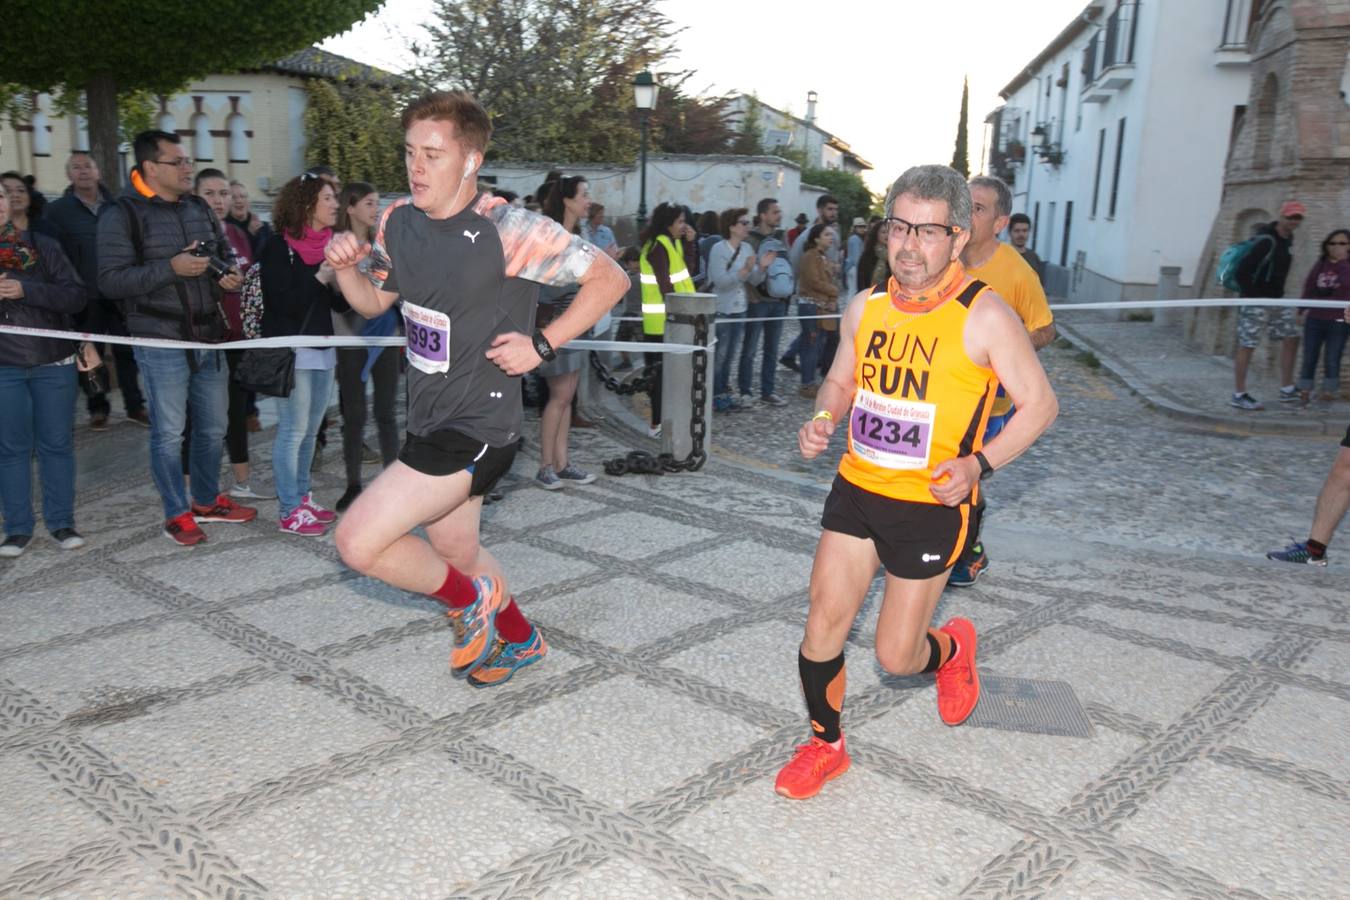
(298, 298)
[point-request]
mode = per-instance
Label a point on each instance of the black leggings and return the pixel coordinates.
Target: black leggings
(652, 359)
(352, 397)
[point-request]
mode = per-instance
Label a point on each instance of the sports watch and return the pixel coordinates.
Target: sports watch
(985, 469)
(543, 347)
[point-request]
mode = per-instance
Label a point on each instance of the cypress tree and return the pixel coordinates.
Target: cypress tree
(961, 155)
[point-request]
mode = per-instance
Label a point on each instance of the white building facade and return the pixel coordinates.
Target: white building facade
(822, 149)
(699, 182)
(1114, 140)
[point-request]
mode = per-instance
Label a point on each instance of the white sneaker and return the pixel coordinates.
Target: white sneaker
(654, 431)
(67, 538)
(246, 492)
(774, 400)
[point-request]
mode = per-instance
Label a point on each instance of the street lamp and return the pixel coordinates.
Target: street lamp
(644, 98)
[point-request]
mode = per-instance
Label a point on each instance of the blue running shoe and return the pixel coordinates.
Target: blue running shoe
(506, 658)
(964, 574)
(1297, 552)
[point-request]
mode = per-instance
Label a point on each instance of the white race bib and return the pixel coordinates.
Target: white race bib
(890, 432)
(428, 338)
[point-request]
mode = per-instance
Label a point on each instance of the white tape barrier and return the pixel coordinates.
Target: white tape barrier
(320, 341)
(1114, 304)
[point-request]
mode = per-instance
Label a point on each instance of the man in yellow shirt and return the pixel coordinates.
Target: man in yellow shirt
(1000, 266)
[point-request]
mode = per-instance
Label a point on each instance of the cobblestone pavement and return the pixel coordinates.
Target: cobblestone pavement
(249, 718)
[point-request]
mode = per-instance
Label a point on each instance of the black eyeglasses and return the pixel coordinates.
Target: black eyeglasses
(928, 232)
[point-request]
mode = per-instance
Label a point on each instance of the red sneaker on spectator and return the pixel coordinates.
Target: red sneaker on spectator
(224, 510)
(183, 530)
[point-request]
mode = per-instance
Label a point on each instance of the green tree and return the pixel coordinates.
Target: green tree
(155, 46)
(354, 127)
(749, 140)
(686, 124)
(849, 189)
(555, 75)
(961, 155)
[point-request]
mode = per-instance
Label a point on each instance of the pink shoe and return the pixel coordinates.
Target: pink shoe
(302, 522)
(322, 513)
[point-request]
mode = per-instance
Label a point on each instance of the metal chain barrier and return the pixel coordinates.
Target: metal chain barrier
(638, 462)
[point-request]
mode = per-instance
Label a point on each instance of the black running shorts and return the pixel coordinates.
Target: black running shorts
(1345, 441)
(447, 452)
(913, 540)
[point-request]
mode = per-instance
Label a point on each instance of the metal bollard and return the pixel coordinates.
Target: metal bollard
(677, 374)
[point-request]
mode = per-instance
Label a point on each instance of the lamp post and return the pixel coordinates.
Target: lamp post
(644, 98)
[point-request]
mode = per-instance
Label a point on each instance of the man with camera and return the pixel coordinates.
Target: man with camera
(163, 256)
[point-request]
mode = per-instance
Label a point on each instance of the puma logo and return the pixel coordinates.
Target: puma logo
(473, 238)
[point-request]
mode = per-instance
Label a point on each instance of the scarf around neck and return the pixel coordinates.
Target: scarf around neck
(310, 245)
(16, 254)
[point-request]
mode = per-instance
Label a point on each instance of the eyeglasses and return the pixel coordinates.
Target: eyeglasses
(928, 232)
(183, 162)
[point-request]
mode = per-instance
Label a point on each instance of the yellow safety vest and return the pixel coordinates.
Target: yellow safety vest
(653, 301)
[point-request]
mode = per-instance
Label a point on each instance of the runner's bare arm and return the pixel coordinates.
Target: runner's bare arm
(995, 334)
(836, 392)
(603, 285)
(343, 253)
(1042, 337)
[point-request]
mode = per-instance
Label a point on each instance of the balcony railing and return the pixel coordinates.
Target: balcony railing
(1237, 19)
(1110, 48)
(1118, 43)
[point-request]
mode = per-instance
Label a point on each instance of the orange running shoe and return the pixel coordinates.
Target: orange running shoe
(958, 684)
(475, 627)
(812, 765)
(506, 658)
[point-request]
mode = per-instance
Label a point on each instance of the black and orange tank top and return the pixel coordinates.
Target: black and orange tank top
(919, 399)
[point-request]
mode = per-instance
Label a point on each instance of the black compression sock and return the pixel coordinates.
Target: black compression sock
(823, 685)
(1316, 549)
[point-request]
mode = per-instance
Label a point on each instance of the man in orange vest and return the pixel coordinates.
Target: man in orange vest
(913, 384)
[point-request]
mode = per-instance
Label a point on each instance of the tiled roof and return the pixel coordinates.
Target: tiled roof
(312, 62)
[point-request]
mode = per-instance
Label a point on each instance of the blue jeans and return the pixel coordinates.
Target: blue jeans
(171, 390)
(773, 332)
(730, 330)
(1328, 337)
(298, 418)
(809, 346)
(37, 406)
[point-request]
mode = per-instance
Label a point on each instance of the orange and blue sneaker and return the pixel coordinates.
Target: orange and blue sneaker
(814, 763)
(506, 658)
(958, 684)
(475, 627)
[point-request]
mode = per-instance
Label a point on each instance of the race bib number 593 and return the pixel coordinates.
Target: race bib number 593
(428, 338)
(889, 432)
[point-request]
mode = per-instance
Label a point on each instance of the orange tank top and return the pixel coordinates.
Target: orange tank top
(918, 398)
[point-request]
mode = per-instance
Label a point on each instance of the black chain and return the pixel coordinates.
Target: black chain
(638, 462)
(640, 385)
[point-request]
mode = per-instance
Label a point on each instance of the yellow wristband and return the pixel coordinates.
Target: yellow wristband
(823, 414)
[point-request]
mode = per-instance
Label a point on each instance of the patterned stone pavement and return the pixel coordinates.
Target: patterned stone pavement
(248, 718)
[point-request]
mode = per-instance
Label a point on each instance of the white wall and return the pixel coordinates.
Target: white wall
(700, 182)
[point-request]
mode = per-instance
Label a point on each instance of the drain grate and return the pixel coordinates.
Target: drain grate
(1025, 704)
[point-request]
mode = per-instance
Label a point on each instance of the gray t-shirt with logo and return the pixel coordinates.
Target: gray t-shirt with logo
(462, 282)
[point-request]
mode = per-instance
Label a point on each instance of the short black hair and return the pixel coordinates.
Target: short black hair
(1019, 219)
(825, 201)
(763, 206)
(205, 174)
(145, 146)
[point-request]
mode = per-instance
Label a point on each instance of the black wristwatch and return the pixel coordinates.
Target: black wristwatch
(543, 347)
(985, 469)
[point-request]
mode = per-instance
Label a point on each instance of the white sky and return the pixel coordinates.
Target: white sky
(888, 73)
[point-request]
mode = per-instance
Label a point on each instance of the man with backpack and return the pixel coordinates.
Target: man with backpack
(157, 250)
(1260, 273)
(767, 300)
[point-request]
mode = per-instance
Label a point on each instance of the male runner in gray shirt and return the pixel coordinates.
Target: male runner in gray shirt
(467, 268)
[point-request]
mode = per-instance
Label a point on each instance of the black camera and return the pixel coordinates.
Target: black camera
(214, 264)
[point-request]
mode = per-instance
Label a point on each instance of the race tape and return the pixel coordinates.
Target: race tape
(1203, 302)
(310, 340)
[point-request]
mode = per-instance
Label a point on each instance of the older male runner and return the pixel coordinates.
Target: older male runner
(916, 372)
(467, 267)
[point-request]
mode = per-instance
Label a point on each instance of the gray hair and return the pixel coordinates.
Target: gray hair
(935, 183)
(1004, 202)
